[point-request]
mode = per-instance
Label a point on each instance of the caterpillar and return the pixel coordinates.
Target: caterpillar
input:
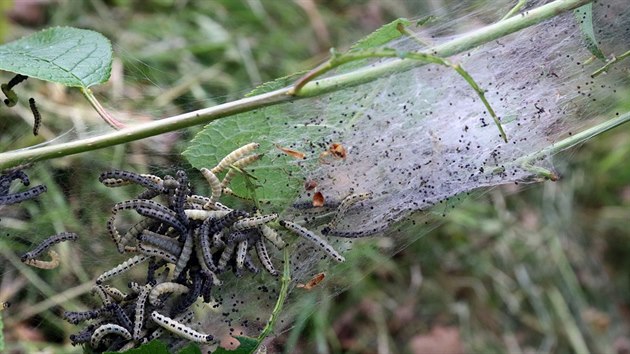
(311, 236)
(211, 227)
(241, 252)
(12, 97)
(229, 176)
(263, 256)
(114, 293)
(7, 178)
(117, 178)
(131, 234)
(249, 264)
(47, 243)
(204, 254)
(15, 81)
(234, 156)
(120, 315)
(225, 256)
(215, 184)
(246, 161)
(184, 256)
(138, 322)
(252, 222)
(183, 318)
(106, 329)
(52, 264)
(100, 291)
(76, 317)
(196, 214)
(168, 244)
(37, 117)
(22, 196)
(179, 198)
(273, 237)
(189, 298)
(163, 288)
(121, 268)
(343, 208)
(353, 234)
(180, 329)
(151, 251)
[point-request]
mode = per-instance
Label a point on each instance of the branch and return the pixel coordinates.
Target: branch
(313, 88)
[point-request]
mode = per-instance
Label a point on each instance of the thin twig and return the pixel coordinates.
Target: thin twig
(611, 62)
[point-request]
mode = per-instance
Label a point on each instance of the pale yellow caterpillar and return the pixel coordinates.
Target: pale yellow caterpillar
(233, 156)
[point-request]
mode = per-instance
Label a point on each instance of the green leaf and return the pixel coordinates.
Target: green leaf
(191, 348)
(383, 35)
(248, 345)
(153, 347)
(277, 175)
(69, 56)
(584, 15)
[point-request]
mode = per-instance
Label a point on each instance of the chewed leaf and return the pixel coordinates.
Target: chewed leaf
(247, 346)
(153, 347)
(584, 16)
(384, 34)
(66, 55)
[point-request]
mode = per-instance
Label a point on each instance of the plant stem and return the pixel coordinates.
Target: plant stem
(108, 118)
(354, 55)
(575, 139)
(145, 130)
(515, 9)
(605, 68)
(284, 290)
(314, 88)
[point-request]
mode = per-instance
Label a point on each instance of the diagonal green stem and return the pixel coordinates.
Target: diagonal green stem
(610, 63)
(282, 296)
(314, 88)
(574, 139)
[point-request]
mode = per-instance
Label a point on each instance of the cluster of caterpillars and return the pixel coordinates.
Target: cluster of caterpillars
(7, 198)
(188, 240)
(12, 99)
(6, 179)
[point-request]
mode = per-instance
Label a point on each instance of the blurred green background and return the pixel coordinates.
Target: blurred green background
(519, 269)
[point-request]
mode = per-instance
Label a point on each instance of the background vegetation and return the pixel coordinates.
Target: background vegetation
(541, 268)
